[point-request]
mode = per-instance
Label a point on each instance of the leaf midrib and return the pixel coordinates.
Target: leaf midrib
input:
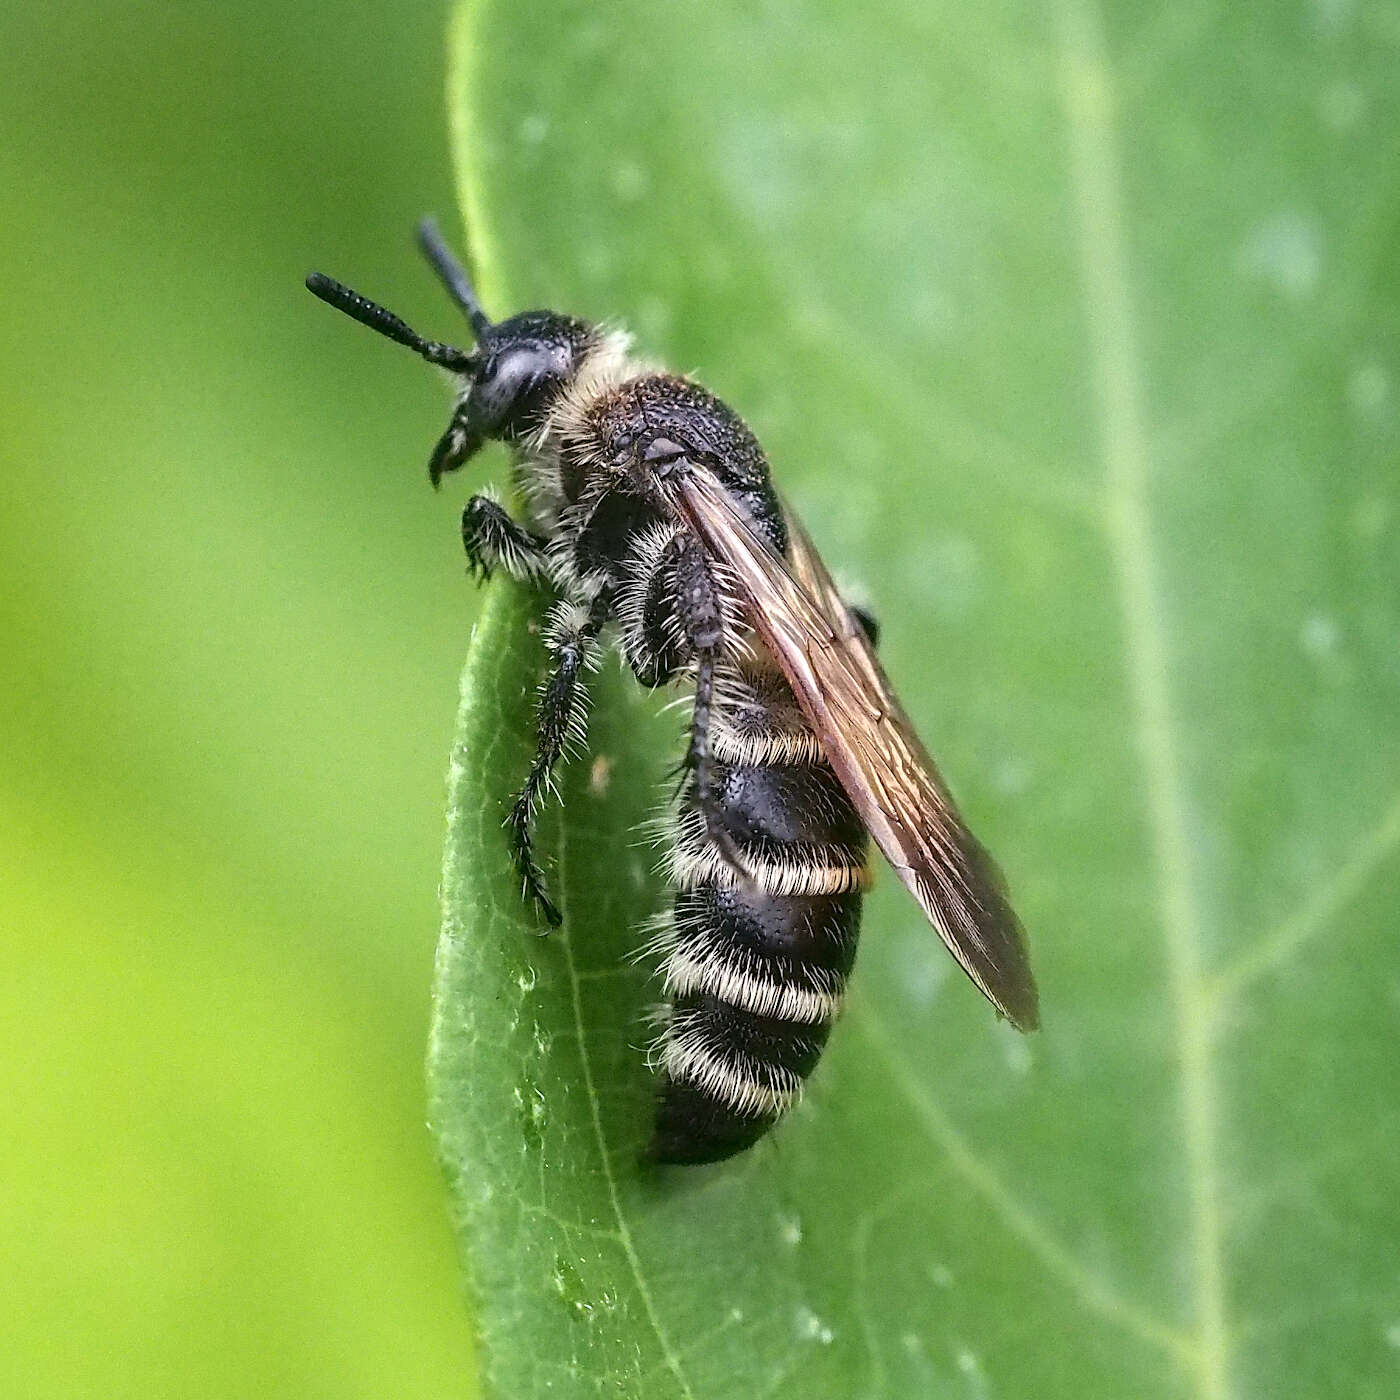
(1119, 397)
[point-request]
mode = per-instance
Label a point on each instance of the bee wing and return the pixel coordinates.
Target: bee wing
(795, 607)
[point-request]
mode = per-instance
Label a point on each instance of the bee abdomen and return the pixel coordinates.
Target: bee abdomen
(760, 722)
(757, 966)
(793, 824)
(729, 1075)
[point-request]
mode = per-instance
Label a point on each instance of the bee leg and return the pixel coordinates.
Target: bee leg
(702, 623)
(652, 641)
(560, 718)
(494, 541)
(698, 759)
(866, 621)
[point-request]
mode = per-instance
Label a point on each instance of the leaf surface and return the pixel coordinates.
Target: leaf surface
(1072, 332)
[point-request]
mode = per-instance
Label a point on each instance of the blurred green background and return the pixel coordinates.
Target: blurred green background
(233, 614)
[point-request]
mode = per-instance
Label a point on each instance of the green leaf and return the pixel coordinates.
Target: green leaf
(1072, 331)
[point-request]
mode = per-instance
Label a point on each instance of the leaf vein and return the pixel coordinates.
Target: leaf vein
(1279, 944)
(624, 1232)
(1094, 1292)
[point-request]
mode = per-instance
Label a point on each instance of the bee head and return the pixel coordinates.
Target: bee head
(520, 364)
(504, 383)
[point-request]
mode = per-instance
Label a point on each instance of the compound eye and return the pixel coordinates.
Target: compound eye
(507, 378)
(517, 369)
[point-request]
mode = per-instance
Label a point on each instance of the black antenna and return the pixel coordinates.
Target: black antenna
(371, 314)
(452, 275)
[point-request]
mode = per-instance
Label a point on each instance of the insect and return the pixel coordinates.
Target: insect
(649, 508)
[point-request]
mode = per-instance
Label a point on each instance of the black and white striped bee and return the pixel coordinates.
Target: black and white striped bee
(649, 508)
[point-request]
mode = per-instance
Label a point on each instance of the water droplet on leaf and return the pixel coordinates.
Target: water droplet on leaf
(568, 1284)
(810, 1328)
(532, 1112)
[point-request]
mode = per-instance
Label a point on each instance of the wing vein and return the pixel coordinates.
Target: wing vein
(798, 614)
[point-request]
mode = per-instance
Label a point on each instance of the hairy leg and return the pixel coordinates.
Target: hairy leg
(700, 620)
(560, 716)
(494, 541)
